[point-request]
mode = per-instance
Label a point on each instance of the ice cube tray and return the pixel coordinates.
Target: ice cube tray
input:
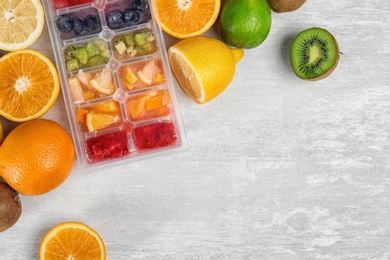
(116, 80)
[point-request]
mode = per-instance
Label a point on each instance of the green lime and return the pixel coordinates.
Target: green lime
(244, 23)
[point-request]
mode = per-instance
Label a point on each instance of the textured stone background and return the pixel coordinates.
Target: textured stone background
(277, 167)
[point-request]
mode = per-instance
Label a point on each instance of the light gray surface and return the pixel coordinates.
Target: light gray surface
(277, 167)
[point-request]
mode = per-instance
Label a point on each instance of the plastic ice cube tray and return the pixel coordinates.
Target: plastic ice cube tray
(116, 80)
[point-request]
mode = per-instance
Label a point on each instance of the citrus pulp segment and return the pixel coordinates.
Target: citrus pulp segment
(21, 22)
(187, 18)
(29, 85)
(72, 240)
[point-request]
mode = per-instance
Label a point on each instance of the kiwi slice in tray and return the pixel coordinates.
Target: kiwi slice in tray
(314, 54)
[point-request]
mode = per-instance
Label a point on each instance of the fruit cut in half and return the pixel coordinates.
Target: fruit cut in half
(314, 54)
(187, 18)
(203, 66)
(29, 85)
(72, 240)
(21, 23)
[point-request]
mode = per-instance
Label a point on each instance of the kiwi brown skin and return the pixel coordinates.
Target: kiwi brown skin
(10, 206)
(282, 6)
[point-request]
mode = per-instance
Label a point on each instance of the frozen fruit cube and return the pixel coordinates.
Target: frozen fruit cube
(107, 146)
(149, 105)
(79, 2)
(154, 136)
(60, 3)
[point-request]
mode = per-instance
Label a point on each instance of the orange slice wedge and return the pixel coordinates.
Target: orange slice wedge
(187, 18)
(104, 82)
(148, 73)
(72, 240)
(96, 121)
(21, 22)
(29, 85)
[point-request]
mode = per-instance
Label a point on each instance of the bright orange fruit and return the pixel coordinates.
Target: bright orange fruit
(187, 18)
(29, 85)
(72, 240)
(36, 157)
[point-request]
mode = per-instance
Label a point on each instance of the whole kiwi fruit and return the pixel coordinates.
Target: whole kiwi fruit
(314, 54)
(10, 206)
(282, 6)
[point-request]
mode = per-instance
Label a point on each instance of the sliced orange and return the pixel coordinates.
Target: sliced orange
(104, 82)
(148, 73)
(187, 18)
(72, 240)
(21, 22)
(76, 90)
(29, 85)
(96, 121)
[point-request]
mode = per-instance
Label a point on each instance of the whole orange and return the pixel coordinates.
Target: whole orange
(36, 157)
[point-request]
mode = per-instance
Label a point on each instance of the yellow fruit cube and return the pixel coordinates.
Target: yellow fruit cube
(159, 78)
(129, 78)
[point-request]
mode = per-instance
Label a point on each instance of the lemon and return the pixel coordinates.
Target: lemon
(245, 23)
(21, 22)
(203, 66)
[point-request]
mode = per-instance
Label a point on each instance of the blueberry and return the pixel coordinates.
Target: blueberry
(92, 23)
(115, 20)
(64, 24)
(132, 17)
(78, 26)
(140, 5)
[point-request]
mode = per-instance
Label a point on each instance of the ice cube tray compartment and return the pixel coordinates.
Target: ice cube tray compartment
(116, 81)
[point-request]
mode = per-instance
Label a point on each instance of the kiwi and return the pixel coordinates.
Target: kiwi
(10, 206)
(314, 54)
(282, 6)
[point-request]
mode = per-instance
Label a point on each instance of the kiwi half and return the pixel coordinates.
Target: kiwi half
(314, 54)
(282, 6)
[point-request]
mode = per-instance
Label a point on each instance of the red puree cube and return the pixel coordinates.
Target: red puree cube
(107, 146)
(79, 2)
(60, 3)
(154, 135)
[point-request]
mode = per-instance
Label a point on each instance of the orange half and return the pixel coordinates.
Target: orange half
(72, 240)
(187, 18)
(29, 85)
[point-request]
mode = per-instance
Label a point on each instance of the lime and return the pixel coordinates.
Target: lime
(245, 23)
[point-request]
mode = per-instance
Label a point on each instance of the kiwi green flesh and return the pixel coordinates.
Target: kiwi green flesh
(314, 54)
